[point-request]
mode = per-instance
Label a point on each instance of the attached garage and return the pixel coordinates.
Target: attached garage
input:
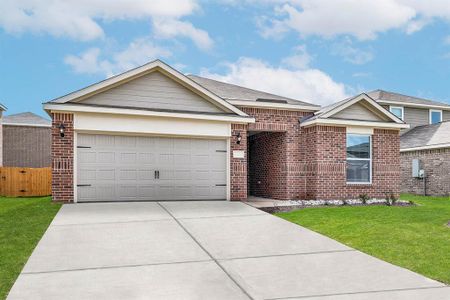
(149, 134)
(146, 168)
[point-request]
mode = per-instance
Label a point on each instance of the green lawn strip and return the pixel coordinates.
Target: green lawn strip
(23, 221)
(414, 237)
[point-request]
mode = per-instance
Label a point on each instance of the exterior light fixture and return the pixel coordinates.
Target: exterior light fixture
(61, 129)
(238, 138)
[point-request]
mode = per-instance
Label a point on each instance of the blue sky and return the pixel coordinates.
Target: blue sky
(312, 50)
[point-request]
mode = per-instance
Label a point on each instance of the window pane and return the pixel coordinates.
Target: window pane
(397, 112)
(358, 171)
(358, 146)
(436, 117)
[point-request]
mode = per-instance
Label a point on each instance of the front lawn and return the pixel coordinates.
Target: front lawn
(23, 221)
(416, 238)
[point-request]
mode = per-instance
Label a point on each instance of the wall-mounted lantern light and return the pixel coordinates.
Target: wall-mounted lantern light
(238, 138)
(61, 129)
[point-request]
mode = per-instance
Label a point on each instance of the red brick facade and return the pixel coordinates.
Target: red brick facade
(286, 161)
(281, 159)
(436, 163)
(62, 158)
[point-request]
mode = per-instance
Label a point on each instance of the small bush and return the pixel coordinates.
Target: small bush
(387, 197)
(364, 198)
(393, 198)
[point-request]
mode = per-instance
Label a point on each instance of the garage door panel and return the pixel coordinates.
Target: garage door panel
(127, 158)
(104, 157)
(127, 174)
(122, 168)
(106, 174)
(147, 158)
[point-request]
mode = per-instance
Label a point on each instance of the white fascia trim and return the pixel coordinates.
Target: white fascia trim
(2, 107)
(27, 125)
(368, 99)
(274, 105)
(430, 147)
(385, 125)
(147, 68)
(409, 104)
(123, 111)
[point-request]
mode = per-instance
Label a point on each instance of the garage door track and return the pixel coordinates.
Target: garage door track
(202, 250)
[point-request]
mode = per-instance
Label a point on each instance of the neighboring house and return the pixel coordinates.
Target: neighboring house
(152, 133)
(414, 111)
(2, 109)
(26, 141)
(428, 141)
(430, 144)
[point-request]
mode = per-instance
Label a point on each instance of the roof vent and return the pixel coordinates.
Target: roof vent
(271, 100)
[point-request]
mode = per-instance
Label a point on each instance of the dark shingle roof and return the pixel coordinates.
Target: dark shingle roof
(426, 135)
(380, 95)
(229, 91)
(28, 118)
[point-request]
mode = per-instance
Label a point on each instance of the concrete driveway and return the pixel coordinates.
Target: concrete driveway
(202, 250)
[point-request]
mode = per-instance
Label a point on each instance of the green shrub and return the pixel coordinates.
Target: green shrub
(364, 198)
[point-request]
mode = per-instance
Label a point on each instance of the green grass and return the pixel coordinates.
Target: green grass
(415, 238)
(23, 221)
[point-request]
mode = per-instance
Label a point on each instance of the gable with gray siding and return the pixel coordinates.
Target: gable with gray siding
(153, 91)
(357, 111)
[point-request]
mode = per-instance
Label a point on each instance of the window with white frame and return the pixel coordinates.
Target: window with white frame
(435, 116)
(359, 158)
(398, 111)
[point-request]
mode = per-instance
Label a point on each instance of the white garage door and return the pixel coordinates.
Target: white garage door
(132, 168)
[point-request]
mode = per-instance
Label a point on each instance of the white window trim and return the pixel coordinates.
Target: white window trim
(398, 107)
(365, 159)
(431, 112)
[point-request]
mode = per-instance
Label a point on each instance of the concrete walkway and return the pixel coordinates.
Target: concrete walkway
(202, 250)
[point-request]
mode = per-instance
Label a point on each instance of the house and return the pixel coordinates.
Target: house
(2, 109)
(414, 111)
(152, 133)
(428, 142)
(26, 141)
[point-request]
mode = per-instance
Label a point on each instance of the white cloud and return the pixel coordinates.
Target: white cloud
(299, 60)
(137, 53)
(170, 28)
(82, 19)
(363, 19)
(350, 53)
(311, 85)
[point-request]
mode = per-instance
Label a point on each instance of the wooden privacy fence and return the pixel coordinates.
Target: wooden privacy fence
(25, 182)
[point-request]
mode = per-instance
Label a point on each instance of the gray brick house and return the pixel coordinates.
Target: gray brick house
(26, 141)
(427, 142)
(2, 109)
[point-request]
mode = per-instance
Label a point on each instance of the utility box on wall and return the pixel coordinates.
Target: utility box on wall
(417, 172)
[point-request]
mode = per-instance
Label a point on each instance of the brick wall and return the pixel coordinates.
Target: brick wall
(1, 139)
(62, 158)
(27, 146)
(324, 165)
(238, 167)
(274, 154)
(436, 164)
(267, 177)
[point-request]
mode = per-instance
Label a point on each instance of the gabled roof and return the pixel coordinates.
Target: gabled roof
(238, 95)
(25, 119)
(140, 71)
(325, 115)
(400, 99)
(426, 137)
